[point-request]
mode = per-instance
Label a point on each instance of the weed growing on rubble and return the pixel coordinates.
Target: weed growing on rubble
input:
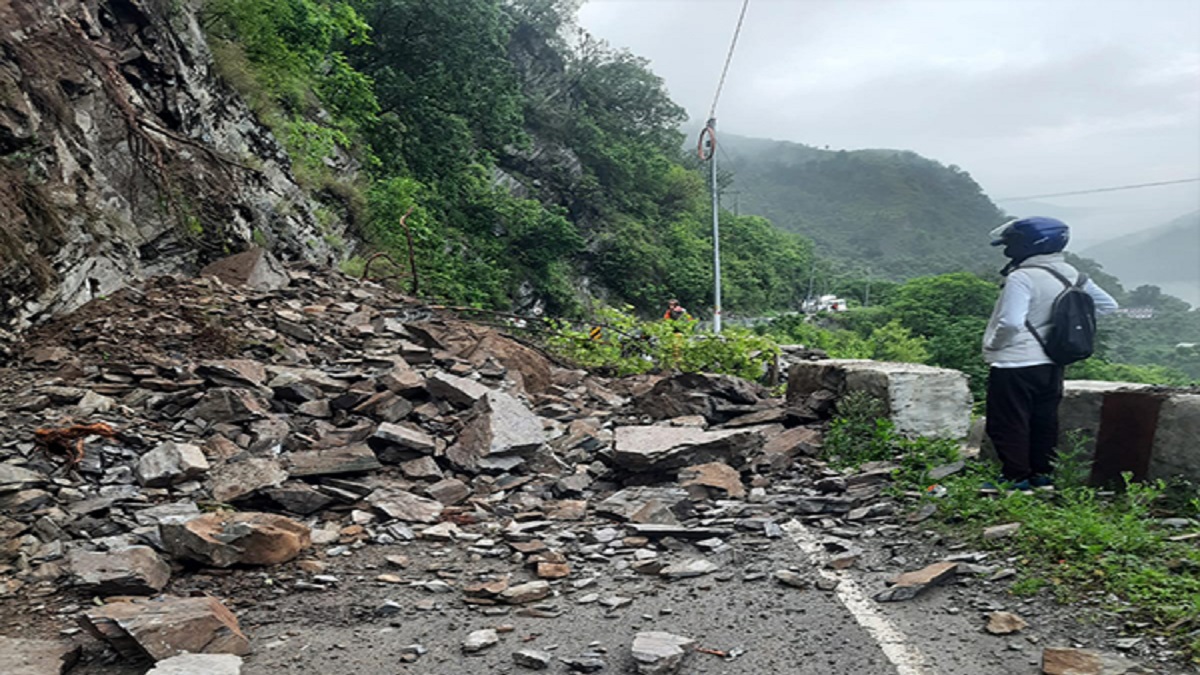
(860, 433)
(626, 345)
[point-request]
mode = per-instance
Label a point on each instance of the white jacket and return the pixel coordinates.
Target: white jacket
(1029, 294)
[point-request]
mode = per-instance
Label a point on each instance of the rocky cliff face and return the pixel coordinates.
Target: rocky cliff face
(123, 155)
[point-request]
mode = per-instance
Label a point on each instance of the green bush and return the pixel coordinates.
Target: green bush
(627, 345)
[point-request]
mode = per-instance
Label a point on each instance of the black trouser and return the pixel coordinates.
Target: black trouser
(1022, 418)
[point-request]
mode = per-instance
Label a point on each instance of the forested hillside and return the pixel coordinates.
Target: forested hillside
(542, 168)
(893, 212)
(1167, 256)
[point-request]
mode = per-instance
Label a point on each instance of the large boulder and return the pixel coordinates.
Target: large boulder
(225, 539)
(19, 656)
(500, 425)
(235, 480)
(167, 626)
(660, 448)
(718, 398)
(255, 268)
(920, 400)
(134, 570)
(171, 463)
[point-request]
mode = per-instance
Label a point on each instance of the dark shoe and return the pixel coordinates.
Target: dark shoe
(1021, 486)
(1042, 482)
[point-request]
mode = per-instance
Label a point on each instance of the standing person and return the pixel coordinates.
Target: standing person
(675, 311)
(1024, 383)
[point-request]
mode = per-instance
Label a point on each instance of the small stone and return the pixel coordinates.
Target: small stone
(525, 593)
(549, 570)
(532, 659)
(1065, 661)
(910, 584)
(480, 640)
(1001, 531)
(690, 568)
(659, 653)
(1004, 623)
(790, 578)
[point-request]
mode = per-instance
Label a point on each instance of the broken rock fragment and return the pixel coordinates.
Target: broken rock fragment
(480, 640)
(1004, 623)
(167, 626)
(525, 593)
(690, 568)
(532, 659)
(171, 463)
(1065, 661)
(655, 448)
(406, 506)
(356, 458)
(36, 657)
(659, 653)
(234, 480)
(715, 475)
(135, 570)
(911, 584)
(199, 664)
(225, 539)
(458, 390)
(500, 426)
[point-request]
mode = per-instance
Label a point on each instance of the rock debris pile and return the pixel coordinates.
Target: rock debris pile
(311, 417)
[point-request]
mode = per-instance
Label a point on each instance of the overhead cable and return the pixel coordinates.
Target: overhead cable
(1104, 189)
(728, 58)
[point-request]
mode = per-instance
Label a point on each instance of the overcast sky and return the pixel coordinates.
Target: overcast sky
(1029, 96)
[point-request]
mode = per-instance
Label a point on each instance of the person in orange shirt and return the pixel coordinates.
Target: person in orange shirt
(675, 311)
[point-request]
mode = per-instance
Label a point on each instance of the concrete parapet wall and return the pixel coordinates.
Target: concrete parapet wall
(921, 400)
(1149, 431)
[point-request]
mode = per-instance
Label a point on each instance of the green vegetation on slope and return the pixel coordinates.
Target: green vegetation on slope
(893, 212)
(1077, 543)
(539, 173)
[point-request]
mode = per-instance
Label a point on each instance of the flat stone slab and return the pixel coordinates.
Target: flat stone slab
(909, 585)
(167, 626)
(225, 539)
(199, 664)
(658, 448)
(36, 657)
(659, 653)
(135, 570)
(356, 458)
(234, 480)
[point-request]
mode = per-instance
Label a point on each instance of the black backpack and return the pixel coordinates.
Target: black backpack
(1072, 335)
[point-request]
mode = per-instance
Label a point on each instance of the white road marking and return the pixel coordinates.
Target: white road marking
(905, 656)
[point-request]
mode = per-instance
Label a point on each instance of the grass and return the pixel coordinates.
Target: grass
(1078, 543)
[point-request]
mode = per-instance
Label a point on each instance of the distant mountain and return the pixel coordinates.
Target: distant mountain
(1167, 256)
(895, 212)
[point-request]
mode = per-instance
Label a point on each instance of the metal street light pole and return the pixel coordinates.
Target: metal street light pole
(716, 226)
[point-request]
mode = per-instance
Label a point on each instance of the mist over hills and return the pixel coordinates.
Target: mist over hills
(893, 212)
(1167, 256)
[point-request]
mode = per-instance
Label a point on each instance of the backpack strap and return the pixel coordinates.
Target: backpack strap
(1057, 275)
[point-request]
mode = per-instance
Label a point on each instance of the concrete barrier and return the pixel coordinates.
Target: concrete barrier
(1151, 432)
(921, 400)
